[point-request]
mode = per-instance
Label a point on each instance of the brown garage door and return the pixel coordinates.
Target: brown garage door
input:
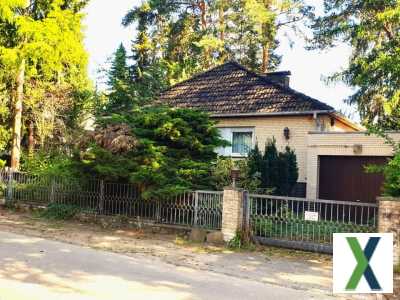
(344, 178)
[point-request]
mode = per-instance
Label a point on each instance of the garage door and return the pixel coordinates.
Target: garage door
(344, 178)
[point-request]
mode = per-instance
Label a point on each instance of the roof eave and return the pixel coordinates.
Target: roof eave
(348, 122)
(270, 114)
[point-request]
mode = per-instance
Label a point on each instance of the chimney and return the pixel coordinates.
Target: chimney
(280, 77)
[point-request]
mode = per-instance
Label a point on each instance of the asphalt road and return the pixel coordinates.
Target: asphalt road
(39, 269)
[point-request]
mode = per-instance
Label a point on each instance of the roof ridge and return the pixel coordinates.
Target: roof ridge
(199, 74)
(285, 88)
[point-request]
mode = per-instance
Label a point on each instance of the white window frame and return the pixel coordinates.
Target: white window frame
(227, 133)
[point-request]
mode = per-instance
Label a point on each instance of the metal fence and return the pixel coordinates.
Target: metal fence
(193, 208)
(306, 224)
(281, 221)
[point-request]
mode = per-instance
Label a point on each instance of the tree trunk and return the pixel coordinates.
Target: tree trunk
(203, 21)
(221, 24)
(266, 44)
(265, 58)
(222, 30)
(202, 7)
(31, 138)
(17, 125)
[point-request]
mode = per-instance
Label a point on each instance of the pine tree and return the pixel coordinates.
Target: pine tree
(372, 30)
(119, 83)
(186, 37)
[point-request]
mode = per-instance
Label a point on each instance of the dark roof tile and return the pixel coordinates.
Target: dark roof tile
(230, 88)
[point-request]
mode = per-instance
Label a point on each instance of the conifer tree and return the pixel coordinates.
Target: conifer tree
(41, 48)
(255, 161)
(270, 169)
(119, 83)
(288, 172)
(372, 30)
(186, 37)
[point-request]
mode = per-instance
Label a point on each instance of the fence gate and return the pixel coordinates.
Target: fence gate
(306, 224)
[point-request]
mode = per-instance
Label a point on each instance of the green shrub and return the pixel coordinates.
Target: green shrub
(277, 171)
(49, 165)
(391, 172)
(221, 173)
(391, 186)
(240, 241)
(57, 211)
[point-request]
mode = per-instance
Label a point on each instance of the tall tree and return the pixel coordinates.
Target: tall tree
(41, 46)
(372, 29)
(188, 36)
(119, 83)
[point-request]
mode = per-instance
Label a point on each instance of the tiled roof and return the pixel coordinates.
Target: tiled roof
(231, 88)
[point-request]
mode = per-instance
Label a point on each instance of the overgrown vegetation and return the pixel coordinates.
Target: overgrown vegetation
(241, 241)
(300, 229)
(273, 172)
(58, 211)
(221, 174)
(44, 89)
(164, 151)
(391, 170)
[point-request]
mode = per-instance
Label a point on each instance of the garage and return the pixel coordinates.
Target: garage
(344, 178)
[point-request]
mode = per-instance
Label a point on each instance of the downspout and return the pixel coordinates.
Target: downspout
(317, 121)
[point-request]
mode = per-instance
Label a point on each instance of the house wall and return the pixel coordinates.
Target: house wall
(266, 127)
(337, 125)
(340, 143)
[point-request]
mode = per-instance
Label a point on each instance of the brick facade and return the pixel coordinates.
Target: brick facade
(389, 221)
(232, 213)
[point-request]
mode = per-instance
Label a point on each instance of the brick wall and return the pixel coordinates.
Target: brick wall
(232, 213)
(389, 221)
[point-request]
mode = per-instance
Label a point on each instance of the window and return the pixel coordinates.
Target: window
(242, 142)
(240, 138)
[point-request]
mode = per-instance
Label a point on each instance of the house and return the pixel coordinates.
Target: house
(251, 108)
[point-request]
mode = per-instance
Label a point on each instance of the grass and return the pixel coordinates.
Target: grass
(300, 229)
(241, 241)
(56, 211)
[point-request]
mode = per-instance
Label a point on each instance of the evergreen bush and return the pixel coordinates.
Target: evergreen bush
(278, 170)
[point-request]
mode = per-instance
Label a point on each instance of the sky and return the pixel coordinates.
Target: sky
(104, 33)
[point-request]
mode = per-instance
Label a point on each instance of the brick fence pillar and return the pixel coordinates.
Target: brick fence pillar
(389, 221)
(232, 212)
